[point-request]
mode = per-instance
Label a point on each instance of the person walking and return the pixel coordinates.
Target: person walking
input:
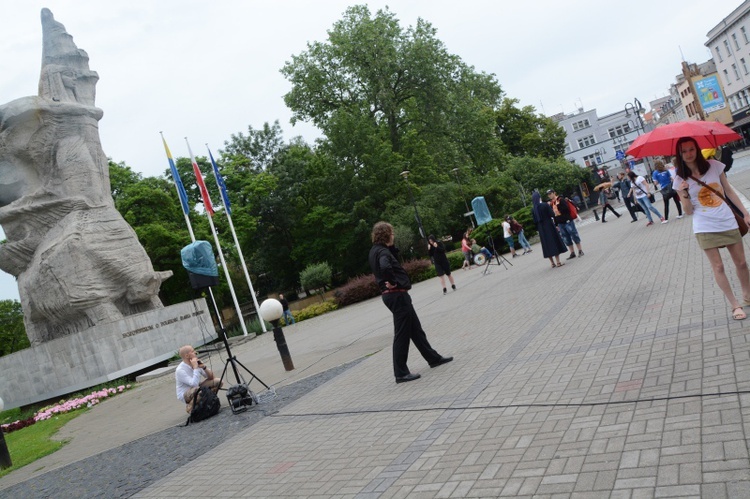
(699, 183)
(288, 317)
(508, 236)
(565, 223)
(549, 237)
(439, 259)
(641, 191)
(466, 250)
(517, 229)
(394, 285)
(663, 179)
(625, 186)
(604, 202)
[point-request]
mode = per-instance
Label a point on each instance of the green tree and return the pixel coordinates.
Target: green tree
(316, 276)
(12, 331)
(525, 133)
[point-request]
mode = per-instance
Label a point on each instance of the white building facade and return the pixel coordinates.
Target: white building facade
(729, 42)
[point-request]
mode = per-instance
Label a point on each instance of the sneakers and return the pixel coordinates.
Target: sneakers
(515, 255)
(633, 221)
(650, 223)
(680, 216)
(571, 256)
(604, 221)
(664, 221)
(445, 291)
(453, 287)
(580, 252)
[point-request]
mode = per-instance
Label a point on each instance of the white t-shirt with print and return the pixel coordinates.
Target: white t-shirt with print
(710, 213)
(643, 191)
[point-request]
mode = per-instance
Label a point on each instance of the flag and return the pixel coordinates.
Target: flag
(177, 181)
(201, 185)
(220, 183)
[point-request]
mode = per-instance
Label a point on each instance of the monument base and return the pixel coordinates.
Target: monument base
(102, 353)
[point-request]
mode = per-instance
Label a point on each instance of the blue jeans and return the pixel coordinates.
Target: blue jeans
(288, 317)
(647, 206)
(569, 233)
(523, 241)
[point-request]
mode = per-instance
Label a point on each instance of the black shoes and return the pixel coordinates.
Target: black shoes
(445, 291)
(604, 221)
(453, 286)
(443, 360)
(571, 256)
(408, 377)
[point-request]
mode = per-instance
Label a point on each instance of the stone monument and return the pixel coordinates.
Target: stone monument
(77, 262)
(88, 290)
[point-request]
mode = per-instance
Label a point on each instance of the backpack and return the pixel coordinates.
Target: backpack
(207, 404)
(573, 209)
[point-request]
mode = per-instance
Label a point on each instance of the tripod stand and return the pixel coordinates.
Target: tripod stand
(239, 395)
(500, 259)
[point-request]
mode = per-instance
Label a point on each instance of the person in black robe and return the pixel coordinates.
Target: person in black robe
(552, 243)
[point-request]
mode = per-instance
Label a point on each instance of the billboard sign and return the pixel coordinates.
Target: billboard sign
(710, 94)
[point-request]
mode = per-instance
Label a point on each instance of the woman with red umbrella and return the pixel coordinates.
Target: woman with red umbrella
(714, 224)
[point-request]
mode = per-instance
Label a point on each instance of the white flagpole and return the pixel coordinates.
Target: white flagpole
(218, 247)
(187, 221)
(239, 251)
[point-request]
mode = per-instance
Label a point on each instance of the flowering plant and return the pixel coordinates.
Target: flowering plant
(65, 406)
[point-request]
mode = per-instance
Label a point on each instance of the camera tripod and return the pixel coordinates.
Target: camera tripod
(499, 259)
(239, 395)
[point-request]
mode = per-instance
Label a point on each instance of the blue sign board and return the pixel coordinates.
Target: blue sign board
(710, 94)
(620, 155)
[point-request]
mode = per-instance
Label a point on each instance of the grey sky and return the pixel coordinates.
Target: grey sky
(206, 70)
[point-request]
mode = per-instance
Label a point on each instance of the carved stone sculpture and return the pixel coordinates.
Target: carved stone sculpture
(77, 262)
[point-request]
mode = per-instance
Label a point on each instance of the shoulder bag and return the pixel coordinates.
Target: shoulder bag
(735, 210)
(650, 196)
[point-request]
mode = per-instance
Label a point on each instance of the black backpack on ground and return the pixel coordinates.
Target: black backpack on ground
(207, 404)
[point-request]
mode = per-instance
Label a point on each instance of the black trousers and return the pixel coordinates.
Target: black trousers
(604, 211)
(407, 328)
(629, 205)
(676, 198)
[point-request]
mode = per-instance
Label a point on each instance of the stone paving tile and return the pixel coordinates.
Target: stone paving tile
(551, 393)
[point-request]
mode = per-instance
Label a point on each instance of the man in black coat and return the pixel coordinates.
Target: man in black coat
(394, 285)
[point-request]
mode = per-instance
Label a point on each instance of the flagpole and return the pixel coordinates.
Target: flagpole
(185, 209)
(224, 201)
(209, 211)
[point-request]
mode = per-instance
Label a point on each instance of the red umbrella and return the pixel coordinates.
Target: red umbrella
(662, 141)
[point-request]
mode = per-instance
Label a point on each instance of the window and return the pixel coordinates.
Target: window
(744, 65)
(618, 130)
(736, 43)
(622, 147)
(586, 141)
(726, 78)
(726, 46)
(736, 73)
(592, 159)
(568, 148)
(718, 53)
(744, 34)
(580, 125)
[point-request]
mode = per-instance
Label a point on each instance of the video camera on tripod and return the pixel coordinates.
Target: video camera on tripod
(200, 263)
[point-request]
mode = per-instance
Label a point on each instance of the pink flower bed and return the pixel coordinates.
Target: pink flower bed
(65, 406)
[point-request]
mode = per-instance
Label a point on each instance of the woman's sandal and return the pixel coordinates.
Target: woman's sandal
(560, 264)
(738, 314)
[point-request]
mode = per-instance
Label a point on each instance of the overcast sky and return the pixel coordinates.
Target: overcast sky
(206, 70)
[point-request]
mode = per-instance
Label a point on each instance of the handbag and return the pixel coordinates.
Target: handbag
(667, 192)
(651, 197)
(741, 224)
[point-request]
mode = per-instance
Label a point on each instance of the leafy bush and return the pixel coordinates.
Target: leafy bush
(419, 270)
(358, 289)
(456, 259)
(315, 276)
(315, 310)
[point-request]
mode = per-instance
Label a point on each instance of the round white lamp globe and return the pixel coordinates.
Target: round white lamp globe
(271, 310)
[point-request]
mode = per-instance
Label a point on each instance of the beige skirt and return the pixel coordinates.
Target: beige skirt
(708, 240)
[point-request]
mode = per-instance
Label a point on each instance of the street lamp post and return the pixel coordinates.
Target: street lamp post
(405, 174)
(461, 190)
(636, 108)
